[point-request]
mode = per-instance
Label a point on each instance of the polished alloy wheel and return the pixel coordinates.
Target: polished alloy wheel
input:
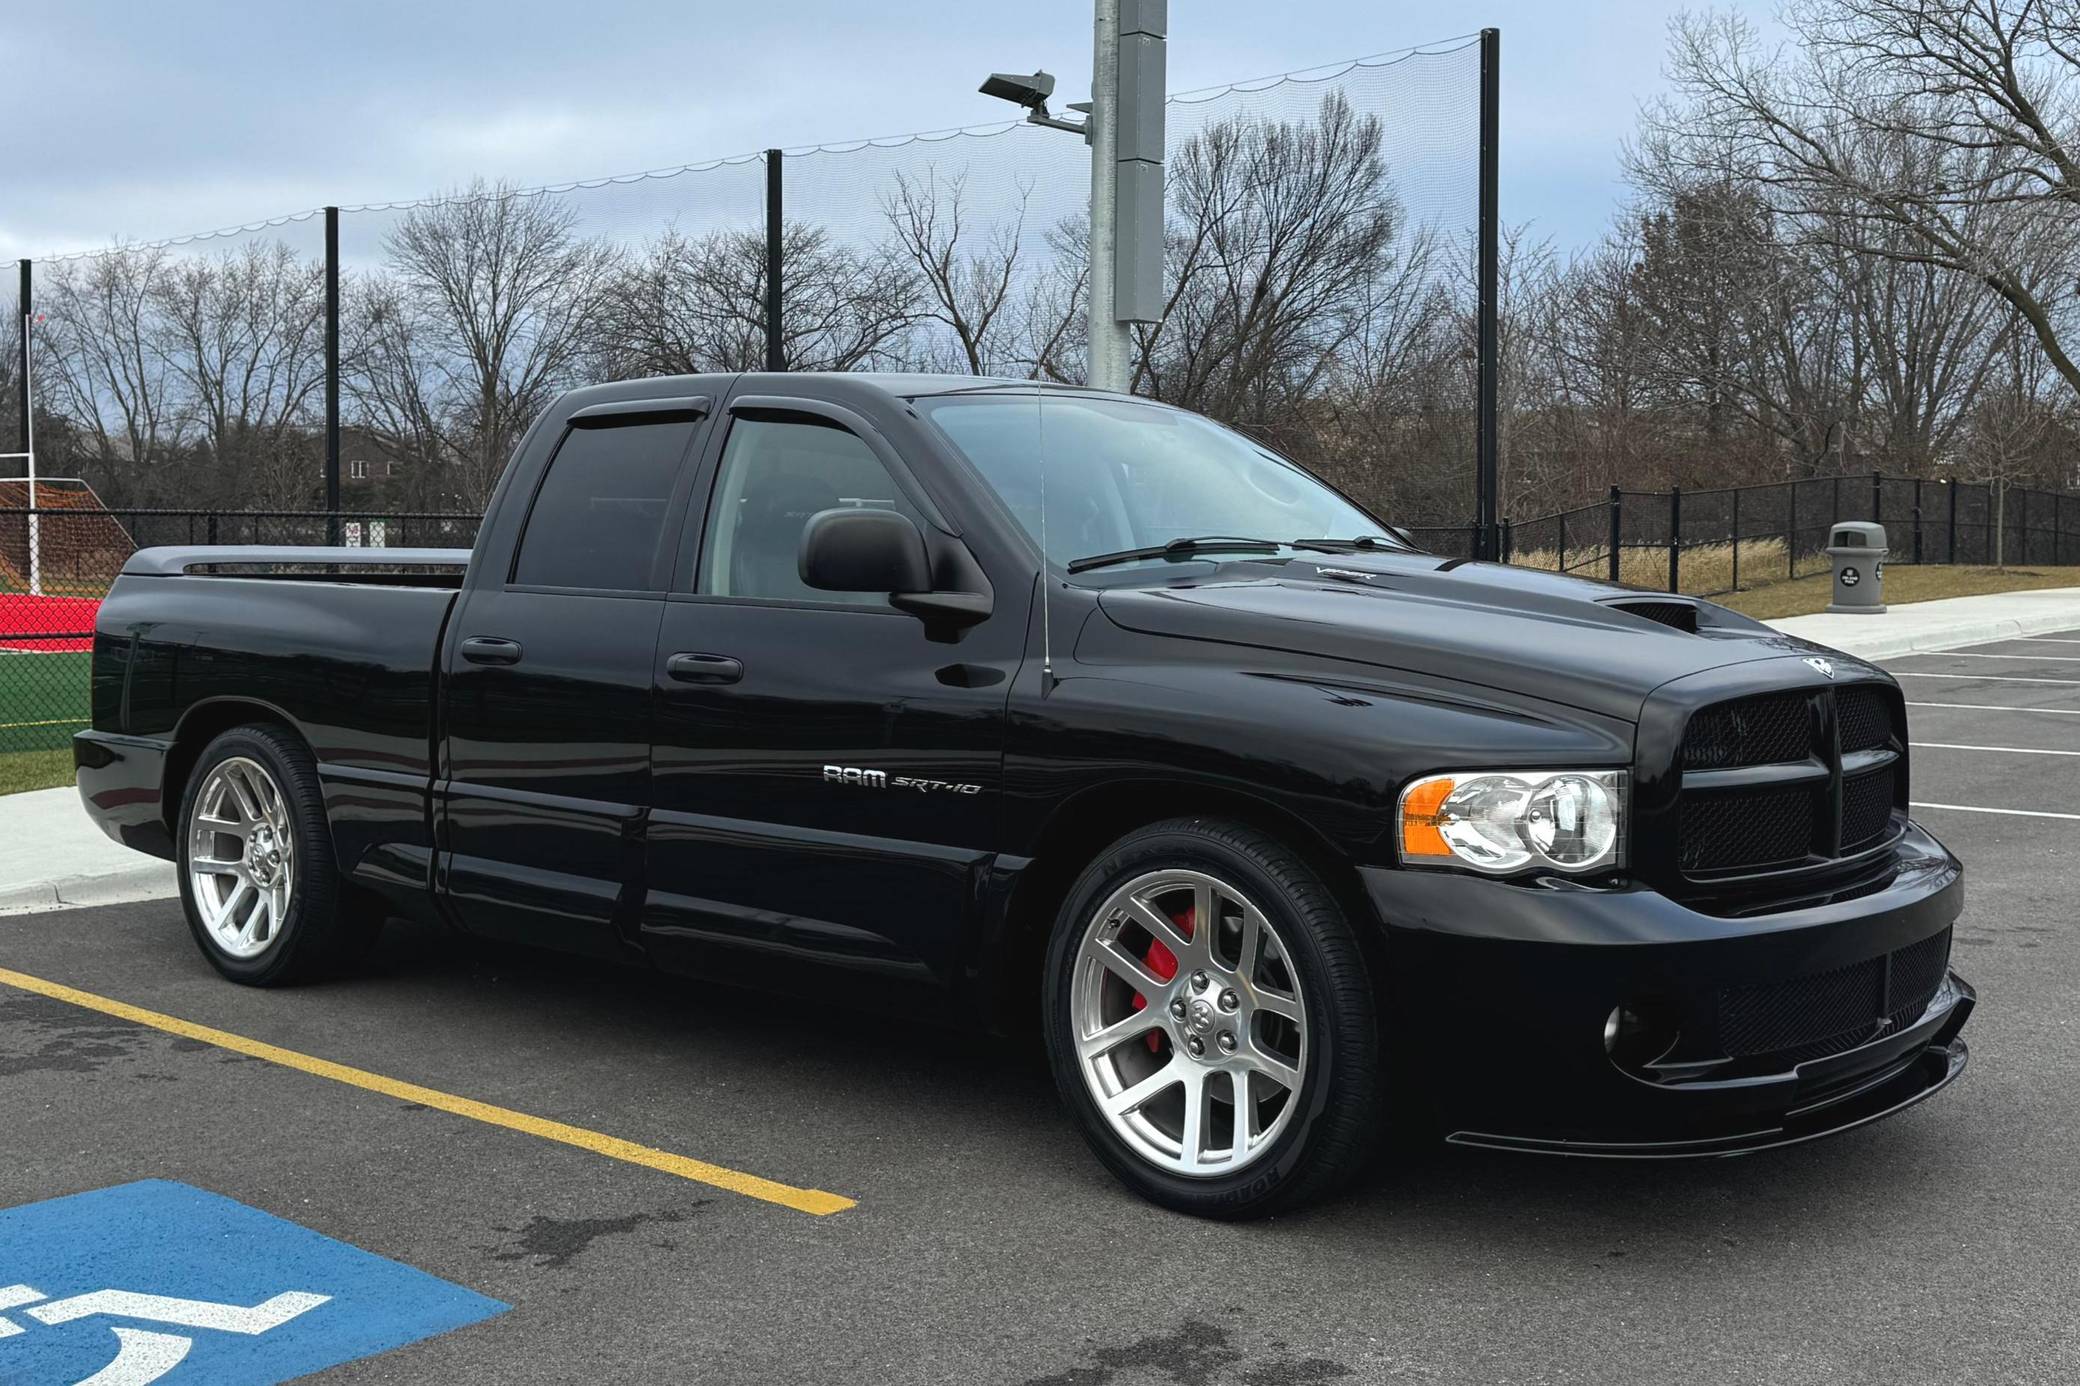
(241, 857)
(1189, 1024)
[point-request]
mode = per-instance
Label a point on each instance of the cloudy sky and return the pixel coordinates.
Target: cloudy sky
(132, 121)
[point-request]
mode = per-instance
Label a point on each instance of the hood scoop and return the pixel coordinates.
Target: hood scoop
(1678, 615)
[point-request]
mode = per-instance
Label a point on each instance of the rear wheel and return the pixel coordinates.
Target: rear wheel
(258, 879)
(1211, 1021)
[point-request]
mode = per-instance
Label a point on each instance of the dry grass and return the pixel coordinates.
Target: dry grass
(35, 770)
(1707, 568)
(1904, 583)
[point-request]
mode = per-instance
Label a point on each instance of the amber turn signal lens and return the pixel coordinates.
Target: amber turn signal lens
(1419, 819)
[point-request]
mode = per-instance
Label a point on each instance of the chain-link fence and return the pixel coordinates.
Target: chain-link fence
(58, 558)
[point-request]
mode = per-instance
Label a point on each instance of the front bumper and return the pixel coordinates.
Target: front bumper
(1504, 988)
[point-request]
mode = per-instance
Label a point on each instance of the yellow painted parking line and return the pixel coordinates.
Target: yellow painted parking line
(814, 1201)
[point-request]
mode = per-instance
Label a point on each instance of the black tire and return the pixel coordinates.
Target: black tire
(327, 926)
(1335, 1126)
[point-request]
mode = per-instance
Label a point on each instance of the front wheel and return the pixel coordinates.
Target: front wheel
(258, 880)
(1211, 1021)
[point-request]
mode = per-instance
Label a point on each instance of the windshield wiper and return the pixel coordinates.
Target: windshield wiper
(1178, 548)
(1364, 542)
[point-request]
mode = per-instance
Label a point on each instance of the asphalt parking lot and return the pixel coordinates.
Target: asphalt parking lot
(983, 1244)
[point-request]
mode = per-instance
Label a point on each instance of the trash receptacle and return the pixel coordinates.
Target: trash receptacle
(1858, 550)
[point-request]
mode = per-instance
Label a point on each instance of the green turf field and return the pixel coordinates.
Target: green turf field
(43, 699)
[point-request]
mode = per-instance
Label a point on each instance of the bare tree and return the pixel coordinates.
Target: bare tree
(1282, 231)
(97, 369)
(497, 285)
(694, 304)
(969, 280)
(1929, 134)
(243, 334)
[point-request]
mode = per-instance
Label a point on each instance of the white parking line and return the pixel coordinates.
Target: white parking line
(2014, 750)
(2012, 813)
(1964, 654)
(2046, 639)
(1980, 678)
(1996, 707)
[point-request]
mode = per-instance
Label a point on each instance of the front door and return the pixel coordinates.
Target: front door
(826, 772)
(548, 700)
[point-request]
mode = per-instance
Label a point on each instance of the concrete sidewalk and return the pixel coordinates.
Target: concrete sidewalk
(53, 857)
(1923, 627)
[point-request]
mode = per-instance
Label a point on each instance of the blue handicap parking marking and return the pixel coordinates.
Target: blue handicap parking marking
(158, 1281)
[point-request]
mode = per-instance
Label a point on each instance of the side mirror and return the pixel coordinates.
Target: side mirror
(864, 551)
(882, 551)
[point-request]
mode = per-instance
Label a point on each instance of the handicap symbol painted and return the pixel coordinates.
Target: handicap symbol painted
(161, 1282)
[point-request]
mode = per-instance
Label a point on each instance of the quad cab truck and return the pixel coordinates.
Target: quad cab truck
(1002, 705)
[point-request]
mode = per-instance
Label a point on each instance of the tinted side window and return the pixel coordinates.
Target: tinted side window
(600, 511)
(775, 475)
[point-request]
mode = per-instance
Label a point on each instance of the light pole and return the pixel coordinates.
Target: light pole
(1123, 125)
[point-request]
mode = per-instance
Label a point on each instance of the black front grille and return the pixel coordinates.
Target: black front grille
(1917, 970)
(1750, 731)
(1825, 1013)
(1866, 809)
(1866, 717)
(1755, 829)
(1767, 786)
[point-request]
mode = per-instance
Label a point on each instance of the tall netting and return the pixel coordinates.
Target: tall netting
(1320, 266)
(463, 316)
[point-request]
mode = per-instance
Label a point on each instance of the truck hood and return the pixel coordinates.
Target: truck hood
(1562, 639)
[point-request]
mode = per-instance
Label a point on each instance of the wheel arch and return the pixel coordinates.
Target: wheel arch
(1092, 819)
(202, 724)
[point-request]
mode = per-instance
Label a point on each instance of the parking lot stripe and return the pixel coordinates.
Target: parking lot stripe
(1996, 707)
(2012, 813)
(1980, 678)
(2012, 750)
(2045, 639)
(1966, 654)
(813, 1201)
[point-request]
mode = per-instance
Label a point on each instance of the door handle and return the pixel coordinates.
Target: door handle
(490, 649)
(704, 668)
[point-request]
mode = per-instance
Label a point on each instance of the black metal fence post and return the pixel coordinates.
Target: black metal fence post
(1509, 542)
(1791, 534)
(1837, 503)
(1675, 538)
(2022, 523)
(1877, 496)
(1950, 545)
(776, 349)
(1617, 528)
(1487, 501)
(332, 535)
(21, 373)
(1917, 519)
(1736, 538)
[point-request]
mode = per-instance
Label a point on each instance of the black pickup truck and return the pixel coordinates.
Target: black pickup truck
(998, 704)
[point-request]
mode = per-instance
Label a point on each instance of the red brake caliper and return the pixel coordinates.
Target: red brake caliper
(1163, 963)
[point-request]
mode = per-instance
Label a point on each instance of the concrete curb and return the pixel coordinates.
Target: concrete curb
(155, 882)
(1909, 629)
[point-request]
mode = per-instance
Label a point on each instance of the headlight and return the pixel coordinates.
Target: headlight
(1504, 821)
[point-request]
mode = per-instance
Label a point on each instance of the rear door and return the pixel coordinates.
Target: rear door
(827, 770)
(548, 697)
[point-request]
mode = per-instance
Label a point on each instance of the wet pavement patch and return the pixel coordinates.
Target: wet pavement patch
(552, 1243)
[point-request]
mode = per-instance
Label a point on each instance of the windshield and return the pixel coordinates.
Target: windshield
(1124, 475)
